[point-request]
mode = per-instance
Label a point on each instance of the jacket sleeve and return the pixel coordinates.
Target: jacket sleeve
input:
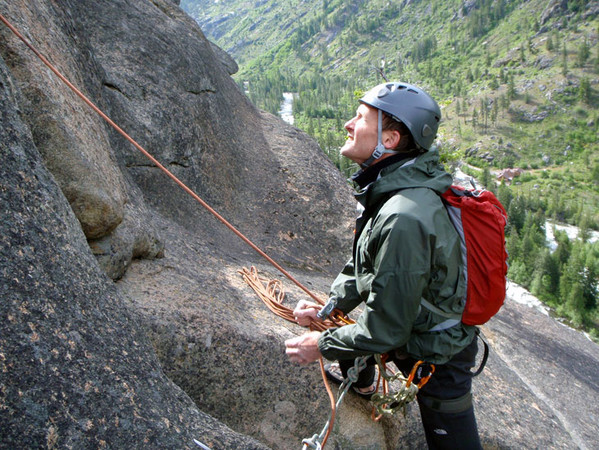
(399, 250)
(344, 290)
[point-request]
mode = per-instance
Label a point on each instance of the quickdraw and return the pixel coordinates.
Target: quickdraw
(393, 402)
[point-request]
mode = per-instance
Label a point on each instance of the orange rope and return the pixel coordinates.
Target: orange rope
(331, 399)
(272, 293)
(151, 158)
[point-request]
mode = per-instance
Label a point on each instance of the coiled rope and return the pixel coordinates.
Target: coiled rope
(272, 293)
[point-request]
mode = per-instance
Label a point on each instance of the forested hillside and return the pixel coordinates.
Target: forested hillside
(517, 82)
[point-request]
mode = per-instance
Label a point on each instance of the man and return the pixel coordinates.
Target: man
(406, 267)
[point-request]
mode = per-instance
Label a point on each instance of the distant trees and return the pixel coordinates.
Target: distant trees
(566, 278)
(424, 48)
(453, 64)
(485, 16)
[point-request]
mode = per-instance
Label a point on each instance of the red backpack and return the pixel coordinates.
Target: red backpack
(480, 221)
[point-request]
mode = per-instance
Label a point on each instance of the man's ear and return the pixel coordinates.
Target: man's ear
(391, 138)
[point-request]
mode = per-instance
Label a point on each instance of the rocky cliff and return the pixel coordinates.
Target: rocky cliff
(123, 320)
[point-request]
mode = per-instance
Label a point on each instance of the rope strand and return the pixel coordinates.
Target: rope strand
(155, 161)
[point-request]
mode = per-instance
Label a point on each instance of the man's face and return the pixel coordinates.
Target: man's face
(361, 134)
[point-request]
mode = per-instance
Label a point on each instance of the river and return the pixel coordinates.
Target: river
(286, 111)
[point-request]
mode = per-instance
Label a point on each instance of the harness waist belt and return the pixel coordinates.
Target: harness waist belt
(453, 405)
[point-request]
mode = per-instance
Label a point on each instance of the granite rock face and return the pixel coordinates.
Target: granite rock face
(76, 370)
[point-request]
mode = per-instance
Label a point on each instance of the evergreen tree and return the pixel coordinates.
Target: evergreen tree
(504, 195)
(584, 91)
(583, 54)
(564, 59)
(549, 43)
(574, 305)
(487, 180)
(494, 111)
(511, 88)
(545, 278)
(595, 173)
(551, 273)
(517, 213)
(564, 248)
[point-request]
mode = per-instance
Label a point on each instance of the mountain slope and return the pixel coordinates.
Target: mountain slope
(497, 68)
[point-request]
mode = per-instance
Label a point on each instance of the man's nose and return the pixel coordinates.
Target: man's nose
(349, 125)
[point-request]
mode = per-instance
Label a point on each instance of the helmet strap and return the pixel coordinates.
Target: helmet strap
(380, 149)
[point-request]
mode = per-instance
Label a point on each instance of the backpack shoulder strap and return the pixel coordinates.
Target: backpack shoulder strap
(485, 354)
(451, 319)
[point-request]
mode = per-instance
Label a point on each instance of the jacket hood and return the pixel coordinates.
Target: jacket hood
(422, 171)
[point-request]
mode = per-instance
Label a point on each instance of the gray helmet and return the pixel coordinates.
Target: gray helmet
(410, 105)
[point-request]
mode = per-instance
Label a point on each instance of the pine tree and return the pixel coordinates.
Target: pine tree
(504, 195)
(486, 179)
(584, 91)
(494, 111)
(511, 88)
(574, 306)
(549, 43)
(583, 54)
(564, 60)
(517, 212)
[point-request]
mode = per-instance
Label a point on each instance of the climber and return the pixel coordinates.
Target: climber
(405, 250)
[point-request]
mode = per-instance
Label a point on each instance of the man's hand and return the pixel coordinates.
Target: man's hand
(305, 313)
(303, 349)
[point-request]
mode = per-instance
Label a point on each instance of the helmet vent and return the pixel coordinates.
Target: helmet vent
(426, 131)
(383, 92)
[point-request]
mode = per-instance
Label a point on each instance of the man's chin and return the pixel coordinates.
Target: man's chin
(345, 151)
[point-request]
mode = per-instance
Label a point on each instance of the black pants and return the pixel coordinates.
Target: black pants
(445, 407)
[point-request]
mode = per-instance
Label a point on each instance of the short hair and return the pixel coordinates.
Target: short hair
(406, 142)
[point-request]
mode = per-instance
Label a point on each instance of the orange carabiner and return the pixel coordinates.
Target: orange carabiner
(423, 380)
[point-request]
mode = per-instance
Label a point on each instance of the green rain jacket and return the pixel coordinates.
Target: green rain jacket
(405, 249)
